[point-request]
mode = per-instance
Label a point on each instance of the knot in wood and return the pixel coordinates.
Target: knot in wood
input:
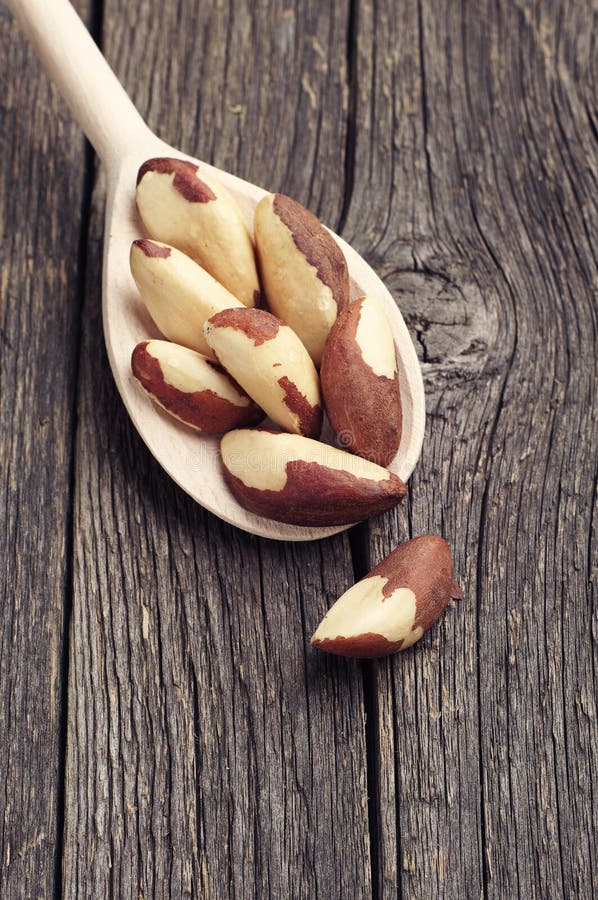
(448, 322)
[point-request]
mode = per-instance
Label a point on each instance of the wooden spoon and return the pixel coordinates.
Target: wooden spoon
(123, 141)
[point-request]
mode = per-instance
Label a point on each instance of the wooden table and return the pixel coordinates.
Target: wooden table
(165, 728)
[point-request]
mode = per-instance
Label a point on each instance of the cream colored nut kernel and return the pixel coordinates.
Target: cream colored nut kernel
(392, 607)
(300, 481)
(303, 270)
(192, 388)
(183, 206)
(360, 383)
(179, 295)
(269, 362)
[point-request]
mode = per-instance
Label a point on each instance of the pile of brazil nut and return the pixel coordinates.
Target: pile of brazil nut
(228, 362)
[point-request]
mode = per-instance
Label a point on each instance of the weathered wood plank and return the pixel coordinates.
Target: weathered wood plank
(209, 751)
(479, 124)
(41, 200)
(472, 135)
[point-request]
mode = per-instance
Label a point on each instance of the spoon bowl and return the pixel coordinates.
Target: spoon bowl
(123, 143)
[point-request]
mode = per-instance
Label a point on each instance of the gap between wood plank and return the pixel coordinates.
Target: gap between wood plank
(358, 544)
(94, 25)
(357, 538)
(350, 139)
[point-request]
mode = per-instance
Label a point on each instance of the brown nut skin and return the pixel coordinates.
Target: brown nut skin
(215, 405)
(182, 205)
(360, 383)
(394, 605)
(303, 271)
(299, 481)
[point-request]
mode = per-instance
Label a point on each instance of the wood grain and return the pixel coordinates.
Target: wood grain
(42, 197)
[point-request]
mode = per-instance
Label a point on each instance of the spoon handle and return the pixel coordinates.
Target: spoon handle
(84, 78)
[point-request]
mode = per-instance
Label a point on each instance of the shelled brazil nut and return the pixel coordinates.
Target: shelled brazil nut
(181, 205)
(178, 294)
(192, 388)
(360, 383)
(300, 481)
(394, 605)
(303, 270)
(269, 361)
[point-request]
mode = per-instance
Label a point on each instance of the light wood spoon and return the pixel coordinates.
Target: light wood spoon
(123, 141)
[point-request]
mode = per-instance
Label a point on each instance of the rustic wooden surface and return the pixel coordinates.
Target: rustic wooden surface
(44, 195)
(165, 729)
